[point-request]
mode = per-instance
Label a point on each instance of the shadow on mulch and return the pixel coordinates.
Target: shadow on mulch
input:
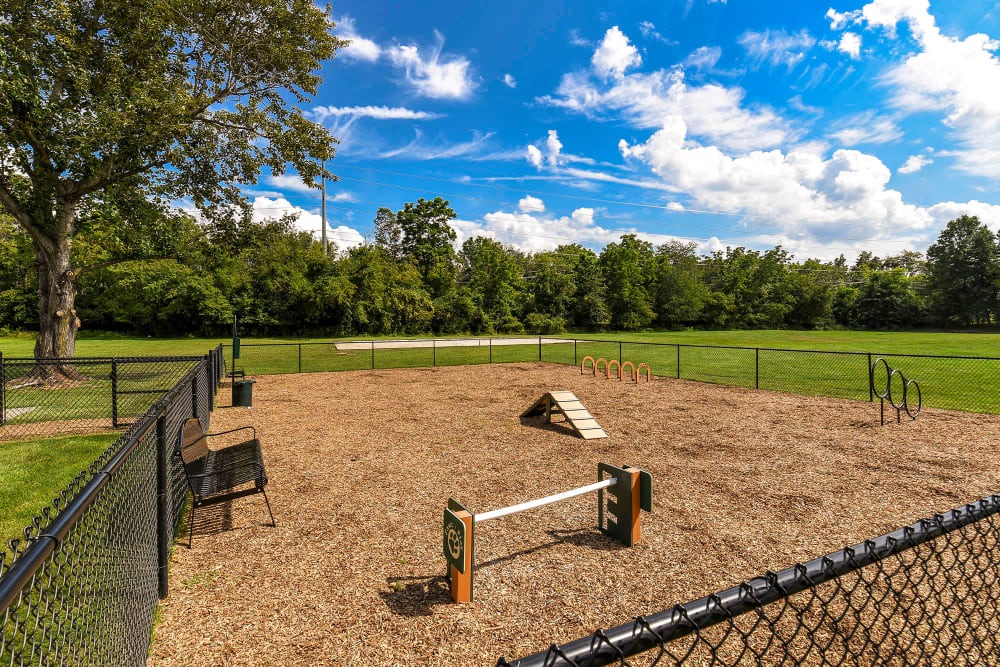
(218, 518)
(416, 596)
(539, 423)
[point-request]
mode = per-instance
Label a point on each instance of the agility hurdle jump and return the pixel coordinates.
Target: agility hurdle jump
(621, 494)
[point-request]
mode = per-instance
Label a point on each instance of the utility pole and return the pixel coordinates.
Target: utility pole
(322, 190)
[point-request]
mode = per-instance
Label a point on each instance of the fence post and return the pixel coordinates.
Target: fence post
(194, 395)
(210, 363)
(539, 348)
(871, 380)
(491, 349)
(574, 352)
(114, 394)
(619, 352)
(162, 507)
(678, 362)
(3, 392)
(373, 355)
(756, 381)
(300, 357)
(434, 352)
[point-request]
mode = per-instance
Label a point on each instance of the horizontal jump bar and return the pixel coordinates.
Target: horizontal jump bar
(531, 504)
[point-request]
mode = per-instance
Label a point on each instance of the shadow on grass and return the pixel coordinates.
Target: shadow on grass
(417, 596)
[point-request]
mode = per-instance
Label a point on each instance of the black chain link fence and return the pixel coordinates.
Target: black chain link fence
(82, 585)
(47, 397)
(926, 594)
(949, 382)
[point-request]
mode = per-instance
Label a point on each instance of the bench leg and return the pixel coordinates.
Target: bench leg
(268, 503)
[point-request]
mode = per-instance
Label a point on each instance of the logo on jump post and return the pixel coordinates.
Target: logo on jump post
(454, 540)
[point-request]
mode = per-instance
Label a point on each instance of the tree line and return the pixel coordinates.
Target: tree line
(413, 278)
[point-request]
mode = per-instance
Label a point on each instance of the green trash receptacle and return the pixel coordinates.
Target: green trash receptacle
(242, 393)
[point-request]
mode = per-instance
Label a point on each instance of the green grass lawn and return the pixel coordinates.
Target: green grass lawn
(953, 383)
(33, 472)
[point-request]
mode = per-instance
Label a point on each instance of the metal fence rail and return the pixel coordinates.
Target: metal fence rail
(83, 584)
(947, 381)
(928, 593)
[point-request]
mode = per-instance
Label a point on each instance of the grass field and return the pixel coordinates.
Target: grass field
(900, 342)
(945, 383)
(33, 472)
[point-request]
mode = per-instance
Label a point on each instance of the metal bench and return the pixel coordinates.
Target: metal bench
(216, 475)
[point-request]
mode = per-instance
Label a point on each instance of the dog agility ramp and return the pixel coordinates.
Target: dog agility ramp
(569, 406)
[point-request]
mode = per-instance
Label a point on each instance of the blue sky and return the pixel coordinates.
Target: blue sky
(824, 128)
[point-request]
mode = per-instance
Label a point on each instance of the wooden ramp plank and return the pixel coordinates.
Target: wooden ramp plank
(576, 415)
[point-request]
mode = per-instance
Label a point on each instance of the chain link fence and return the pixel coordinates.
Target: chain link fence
(928, 593)
(47, 397)
(82, 585)
(949, 382)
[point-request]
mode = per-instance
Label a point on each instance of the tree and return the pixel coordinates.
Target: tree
(628, 271)
(494, 275)
(679, 295)
(173, 99)
(588, 310)
(962, 272)
(886, 301)
(426, 238)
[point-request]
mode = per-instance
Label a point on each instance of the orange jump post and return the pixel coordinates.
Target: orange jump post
(617, 363)
(459, 547)
(583, 365)
(597, 365)
(639, 370)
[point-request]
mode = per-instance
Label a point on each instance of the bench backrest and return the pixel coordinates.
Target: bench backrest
(193, 444)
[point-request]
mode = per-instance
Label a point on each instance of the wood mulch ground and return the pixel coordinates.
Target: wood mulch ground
(361, 465)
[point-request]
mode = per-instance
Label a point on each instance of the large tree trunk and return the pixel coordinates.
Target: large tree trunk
(57, 320)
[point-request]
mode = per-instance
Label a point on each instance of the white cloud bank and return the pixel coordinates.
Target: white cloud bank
(615, 54)
(960, 77)
(360, 48)
(323, 113)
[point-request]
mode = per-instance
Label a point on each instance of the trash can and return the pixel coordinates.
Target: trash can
(242, 393)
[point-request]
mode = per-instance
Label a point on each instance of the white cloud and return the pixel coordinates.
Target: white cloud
(323, 113)
(434, 74)
(265, 208)
(914, 163)
(509, 80)
(703, 58)
(291, 182)
(576, 40)
(554, 146)
(711, 111)
(988, 214)
(806, 196)
(531, 205)
(360, 48)
(776, 47)
(615, 54)
(534, 156)
(867, 127)
(475, 148)
(960, 77)
(649, 31)
(850, 43)
(839, 21)
(796, 103)
(532, 233)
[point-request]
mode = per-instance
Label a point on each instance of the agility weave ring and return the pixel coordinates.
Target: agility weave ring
(583, 365)
(639, 370)
(597, 366)
(904, 403)
(614, 362)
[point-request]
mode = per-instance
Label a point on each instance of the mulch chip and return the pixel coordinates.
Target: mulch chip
(361, 465)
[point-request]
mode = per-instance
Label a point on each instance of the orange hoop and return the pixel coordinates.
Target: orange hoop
(583, 365)
(631, 375)
(639, 370)
(617, 363)
(598, 363)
